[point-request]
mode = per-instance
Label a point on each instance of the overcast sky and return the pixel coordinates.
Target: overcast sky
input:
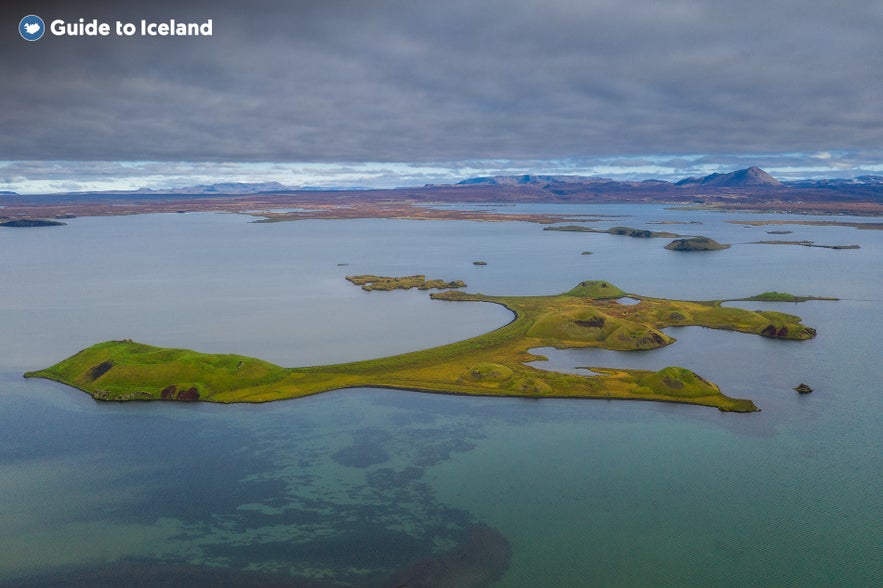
(396, 92)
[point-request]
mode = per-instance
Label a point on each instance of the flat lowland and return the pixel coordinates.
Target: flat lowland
(862, 226)
(493, 364)
(805, 244)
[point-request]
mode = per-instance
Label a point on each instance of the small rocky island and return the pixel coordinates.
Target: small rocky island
(494, 364)
(31, 222)
(695, 244)
(624, 231)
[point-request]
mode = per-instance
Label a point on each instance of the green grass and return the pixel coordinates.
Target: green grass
(494, 363)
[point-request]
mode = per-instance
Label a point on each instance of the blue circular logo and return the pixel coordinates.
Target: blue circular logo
(31, 28)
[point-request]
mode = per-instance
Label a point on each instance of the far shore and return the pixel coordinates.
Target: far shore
(424, 203)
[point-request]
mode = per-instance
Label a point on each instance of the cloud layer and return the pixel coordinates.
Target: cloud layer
(425, 81)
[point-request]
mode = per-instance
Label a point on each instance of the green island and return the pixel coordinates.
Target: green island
(783, 297)
(370, 282)
(625, 231)
(492, 364)
(31, 222)
(696, 244)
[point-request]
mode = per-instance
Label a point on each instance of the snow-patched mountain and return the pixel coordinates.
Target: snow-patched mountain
(867, 180)
(752, 177)
(221, 188)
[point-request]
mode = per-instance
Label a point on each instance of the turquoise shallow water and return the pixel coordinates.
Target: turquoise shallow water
(355, 486)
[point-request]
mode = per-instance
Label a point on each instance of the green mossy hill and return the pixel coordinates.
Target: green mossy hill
(626, 231)
(695, 244)
(683, 380)
(125, 370)
(593, 327)
(369, 282)
(596, 289)
(493, 364)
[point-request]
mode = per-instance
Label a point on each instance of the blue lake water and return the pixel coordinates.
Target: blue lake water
(356, 486)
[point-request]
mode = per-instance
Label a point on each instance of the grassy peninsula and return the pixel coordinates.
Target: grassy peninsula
(493, 364)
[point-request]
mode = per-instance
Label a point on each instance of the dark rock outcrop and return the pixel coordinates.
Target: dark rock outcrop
(769, 331)
(595, 321)
(803, 388)
(173, 393)
(100, 369)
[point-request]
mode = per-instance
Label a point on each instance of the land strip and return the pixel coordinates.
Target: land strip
(417, 202)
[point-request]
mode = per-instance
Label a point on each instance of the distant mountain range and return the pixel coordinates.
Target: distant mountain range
(238, 188)
(221, 188)
(746, 189)
(752, 177)
(839, 182)
(525, 180)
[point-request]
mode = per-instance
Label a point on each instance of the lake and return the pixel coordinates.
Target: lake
(360, 487)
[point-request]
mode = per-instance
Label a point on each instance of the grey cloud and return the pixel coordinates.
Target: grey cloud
(447, 81)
